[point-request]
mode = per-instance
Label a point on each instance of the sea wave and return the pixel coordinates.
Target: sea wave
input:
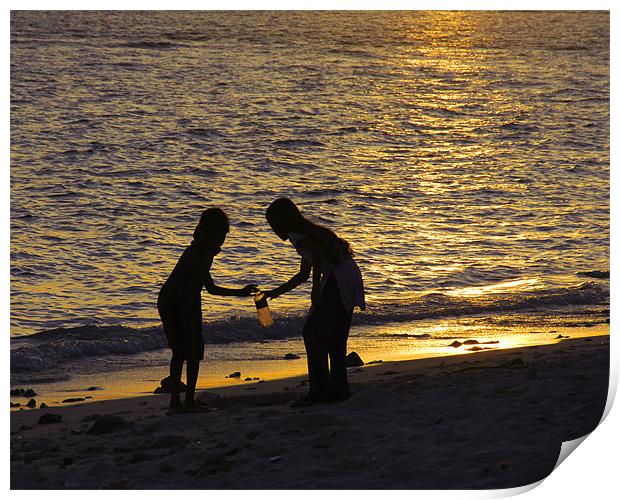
(48, 349)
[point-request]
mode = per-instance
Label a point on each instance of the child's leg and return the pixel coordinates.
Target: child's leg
(337, 345)
(316, 353)
(176, 370)
(192, 378)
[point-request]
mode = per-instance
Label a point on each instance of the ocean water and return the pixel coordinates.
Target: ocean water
(465, 156)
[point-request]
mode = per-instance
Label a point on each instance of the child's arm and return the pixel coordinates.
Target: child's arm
(204, 268)
(304, 271)
(294, 282)
(214, 289)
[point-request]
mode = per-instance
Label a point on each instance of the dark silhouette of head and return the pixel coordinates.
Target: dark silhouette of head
(213, 225)
(284, 217)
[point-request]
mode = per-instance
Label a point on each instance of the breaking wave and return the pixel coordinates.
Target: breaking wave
(50, 348)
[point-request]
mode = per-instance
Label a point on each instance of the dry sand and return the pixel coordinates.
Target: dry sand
(492, 419)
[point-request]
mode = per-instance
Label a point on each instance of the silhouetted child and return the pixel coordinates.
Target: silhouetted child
(180, 309)
(337, 287)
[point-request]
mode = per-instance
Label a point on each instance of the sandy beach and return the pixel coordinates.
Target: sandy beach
(444, 174)
(491, 419)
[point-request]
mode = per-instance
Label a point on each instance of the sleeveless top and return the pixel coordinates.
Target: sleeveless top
(347, 274)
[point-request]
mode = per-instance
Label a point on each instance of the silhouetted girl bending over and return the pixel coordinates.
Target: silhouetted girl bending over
(179, 304)
(337, 287)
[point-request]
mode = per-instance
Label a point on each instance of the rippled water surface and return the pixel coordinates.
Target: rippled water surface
(465, 155)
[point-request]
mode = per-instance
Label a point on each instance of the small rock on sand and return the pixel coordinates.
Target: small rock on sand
(94, 388)
(456, 343)
(50, 418)
(595, 274)
(471, 342)
(43, 405)
(353, 359)
(107, 423)
(290, 355)
(32, 403)
(15, 405)
(234, 375)
(208, 397)
(560, 336)
(73, 400)
(375, 362)
(24, 393)
(165, 386)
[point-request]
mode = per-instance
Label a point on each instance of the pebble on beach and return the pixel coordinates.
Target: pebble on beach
(165, 387)
(73, 400)
(24, 393)
(353, 359)
(49, 418)
(107, 423)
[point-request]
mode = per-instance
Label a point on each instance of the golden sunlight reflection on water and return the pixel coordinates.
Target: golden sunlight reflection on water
(506, 286)
(462, 153)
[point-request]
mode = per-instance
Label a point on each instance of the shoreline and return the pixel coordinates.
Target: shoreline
(488, 419)
(132, 382)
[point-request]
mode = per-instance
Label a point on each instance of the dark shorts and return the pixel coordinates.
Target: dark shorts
(183, 328)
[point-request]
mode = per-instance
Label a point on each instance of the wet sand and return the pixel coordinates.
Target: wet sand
(490, 419)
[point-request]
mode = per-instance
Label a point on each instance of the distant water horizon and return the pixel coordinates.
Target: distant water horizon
(464, 155)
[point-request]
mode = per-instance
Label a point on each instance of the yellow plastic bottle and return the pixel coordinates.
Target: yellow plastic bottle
(264, 314)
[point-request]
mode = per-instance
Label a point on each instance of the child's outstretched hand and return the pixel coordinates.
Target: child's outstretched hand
(248, 290)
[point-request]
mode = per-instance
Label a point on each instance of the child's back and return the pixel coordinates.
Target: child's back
(186, 279)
